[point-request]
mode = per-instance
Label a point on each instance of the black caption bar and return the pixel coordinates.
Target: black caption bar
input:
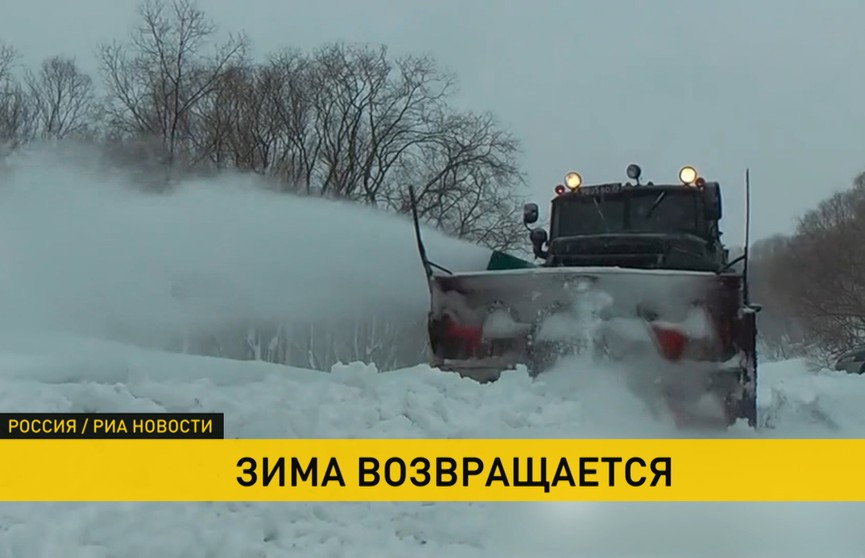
(92, 426)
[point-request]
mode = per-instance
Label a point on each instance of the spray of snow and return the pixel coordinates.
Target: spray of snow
(85, 252)
(501, 324)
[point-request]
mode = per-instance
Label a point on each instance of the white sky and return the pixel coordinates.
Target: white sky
(592, 86)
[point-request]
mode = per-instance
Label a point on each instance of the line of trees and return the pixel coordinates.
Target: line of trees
(812, 282)
(342, 121)
(351, 122)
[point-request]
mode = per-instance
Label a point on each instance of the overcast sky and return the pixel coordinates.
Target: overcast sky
(591, 86)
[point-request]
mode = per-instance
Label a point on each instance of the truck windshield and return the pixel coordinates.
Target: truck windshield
(650, 211)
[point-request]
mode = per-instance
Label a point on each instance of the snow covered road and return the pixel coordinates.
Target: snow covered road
(263, 400)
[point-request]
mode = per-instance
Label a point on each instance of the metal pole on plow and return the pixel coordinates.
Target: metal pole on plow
(745, 287)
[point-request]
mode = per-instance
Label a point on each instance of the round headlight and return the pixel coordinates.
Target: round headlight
(688, 175)
(573, 180)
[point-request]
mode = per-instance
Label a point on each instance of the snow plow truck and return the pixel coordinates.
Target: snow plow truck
(627, 272)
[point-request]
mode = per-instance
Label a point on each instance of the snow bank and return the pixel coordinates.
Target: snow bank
(430, 530)
(355, 400)
(797, 402)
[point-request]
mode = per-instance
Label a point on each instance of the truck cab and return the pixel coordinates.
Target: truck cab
(630, 272)
(632, 225)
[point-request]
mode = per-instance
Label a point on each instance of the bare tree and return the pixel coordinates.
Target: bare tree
(372, 116)
(468, 181)
(216, 116)
(156, 81)
(16, 115)
(348, 122)
(8, 59)
(297, 155)
(820, 274)
(780, 328)
(238, 125)
(16, 111)
(62, 97)
(364, 127)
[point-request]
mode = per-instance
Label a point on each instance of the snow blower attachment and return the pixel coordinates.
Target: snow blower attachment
(629, 272)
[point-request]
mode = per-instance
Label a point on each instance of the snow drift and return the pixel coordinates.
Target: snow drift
(356, 400)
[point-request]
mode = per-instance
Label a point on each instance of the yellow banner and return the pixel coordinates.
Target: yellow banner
(432, 470)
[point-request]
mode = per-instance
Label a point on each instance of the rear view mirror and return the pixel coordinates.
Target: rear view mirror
(538, 237)
(530, 213)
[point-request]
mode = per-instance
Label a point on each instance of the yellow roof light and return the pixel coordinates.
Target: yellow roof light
(688, 175)
(573, 180)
